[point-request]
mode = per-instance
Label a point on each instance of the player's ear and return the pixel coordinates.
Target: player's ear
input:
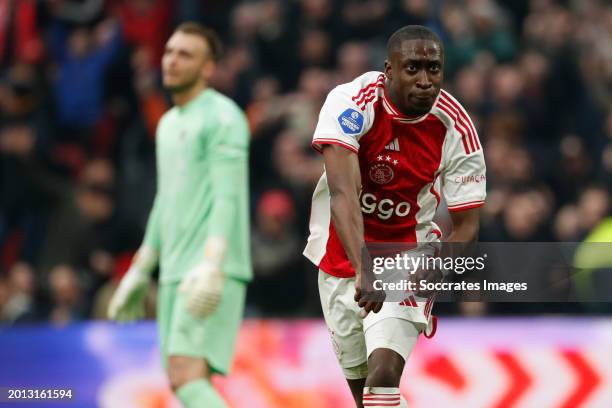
(388, 70)
(208, 69)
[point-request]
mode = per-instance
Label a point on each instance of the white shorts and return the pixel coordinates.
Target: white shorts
(396, 326)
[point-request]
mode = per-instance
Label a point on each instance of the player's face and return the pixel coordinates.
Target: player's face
(415, 74)
(186, 62)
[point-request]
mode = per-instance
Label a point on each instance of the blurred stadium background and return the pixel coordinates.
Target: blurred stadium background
(80, 97)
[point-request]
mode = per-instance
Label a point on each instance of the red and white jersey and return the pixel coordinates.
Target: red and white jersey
(405, 163)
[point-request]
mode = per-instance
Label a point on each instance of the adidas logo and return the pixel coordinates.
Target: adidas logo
(394, 145)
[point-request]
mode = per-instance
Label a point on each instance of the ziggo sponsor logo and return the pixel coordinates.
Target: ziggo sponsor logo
(385, 208)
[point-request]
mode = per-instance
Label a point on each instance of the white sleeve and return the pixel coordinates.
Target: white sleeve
(464, 181)
(341, 121)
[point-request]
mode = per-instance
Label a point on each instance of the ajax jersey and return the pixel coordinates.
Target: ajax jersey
(406, 163)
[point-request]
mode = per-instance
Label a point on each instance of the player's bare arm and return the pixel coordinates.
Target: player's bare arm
(344, 181)
(465, 225)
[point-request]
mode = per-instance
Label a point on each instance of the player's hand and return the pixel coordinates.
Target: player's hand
(203, 288)
(127, 303)
(366, 297)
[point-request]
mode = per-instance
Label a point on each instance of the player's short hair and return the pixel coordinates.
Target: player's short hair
(412, 32)
(209, 35)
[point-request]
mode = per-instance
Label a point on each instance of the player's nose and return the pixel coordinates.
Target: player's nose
(423, 80)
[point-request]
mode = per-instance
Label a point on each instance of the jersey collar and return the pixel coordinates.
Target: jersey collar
(199, 97)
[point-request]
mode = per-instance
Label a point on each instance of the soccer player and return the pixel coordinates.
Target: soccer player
(391, 142)
(198, 228)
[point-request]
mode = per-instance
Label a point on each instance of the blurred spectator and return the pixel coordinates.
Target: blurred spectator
(265, 105)
(526, 217)
(19, 307)
(593, 206)
(152, 100)
(20, 95)
(314, 49)
(76, 11)
(353, 60)
(573, 168)
(301, 107)
(67, 303)
(299, 170)
(83, 57)
(146, 25)
(567, 224)
(363, 19)
(19, 35)
(406, 12)
(84, 228)
(482, 27)
(232, 79)
(279, 285)
(5, 293)
(470, 88)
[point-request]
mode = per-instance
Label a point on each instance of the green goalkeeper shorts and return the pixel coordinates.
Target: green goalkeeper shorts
(212, 338)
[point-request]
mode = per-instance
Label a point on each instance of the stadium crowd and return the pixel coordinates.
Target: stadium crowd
(80, 97)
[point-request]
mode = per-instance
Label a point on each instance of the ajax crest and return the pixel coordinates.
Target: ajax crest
(381, 173)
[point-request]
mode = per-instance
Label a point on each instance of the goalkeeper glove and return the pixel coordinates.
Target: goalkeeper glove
(203, 285)
(127, 303)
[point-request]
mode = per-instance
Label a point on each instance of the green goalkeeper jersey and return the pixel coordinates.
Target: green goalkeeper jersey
(202, 186)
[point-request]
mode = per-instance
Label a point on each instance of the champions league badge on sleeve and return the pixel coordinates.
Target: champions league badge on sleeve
(351, 121)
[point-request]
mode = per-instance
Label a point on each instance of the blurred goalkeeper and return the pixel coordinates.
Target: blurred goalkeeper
(198, 227)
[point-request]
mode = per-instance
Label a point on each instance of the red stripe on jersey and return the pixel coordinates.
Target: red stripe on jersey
(413, 301)
(377, 401)
(363, 91)
(434, 328)
(387, 107)
(458, 121)
(433, 191)
(380, 397)
(464, 115)
(365, 102)
(467, 202)
(465, 206)
(368, 88)
(381, 404)
(465, 146)
(331, 142)
(428, 306)
(368, 97)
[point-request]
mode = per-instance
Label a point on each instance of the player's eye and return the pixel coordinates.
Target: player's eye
(412, 68)
(434, 68)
